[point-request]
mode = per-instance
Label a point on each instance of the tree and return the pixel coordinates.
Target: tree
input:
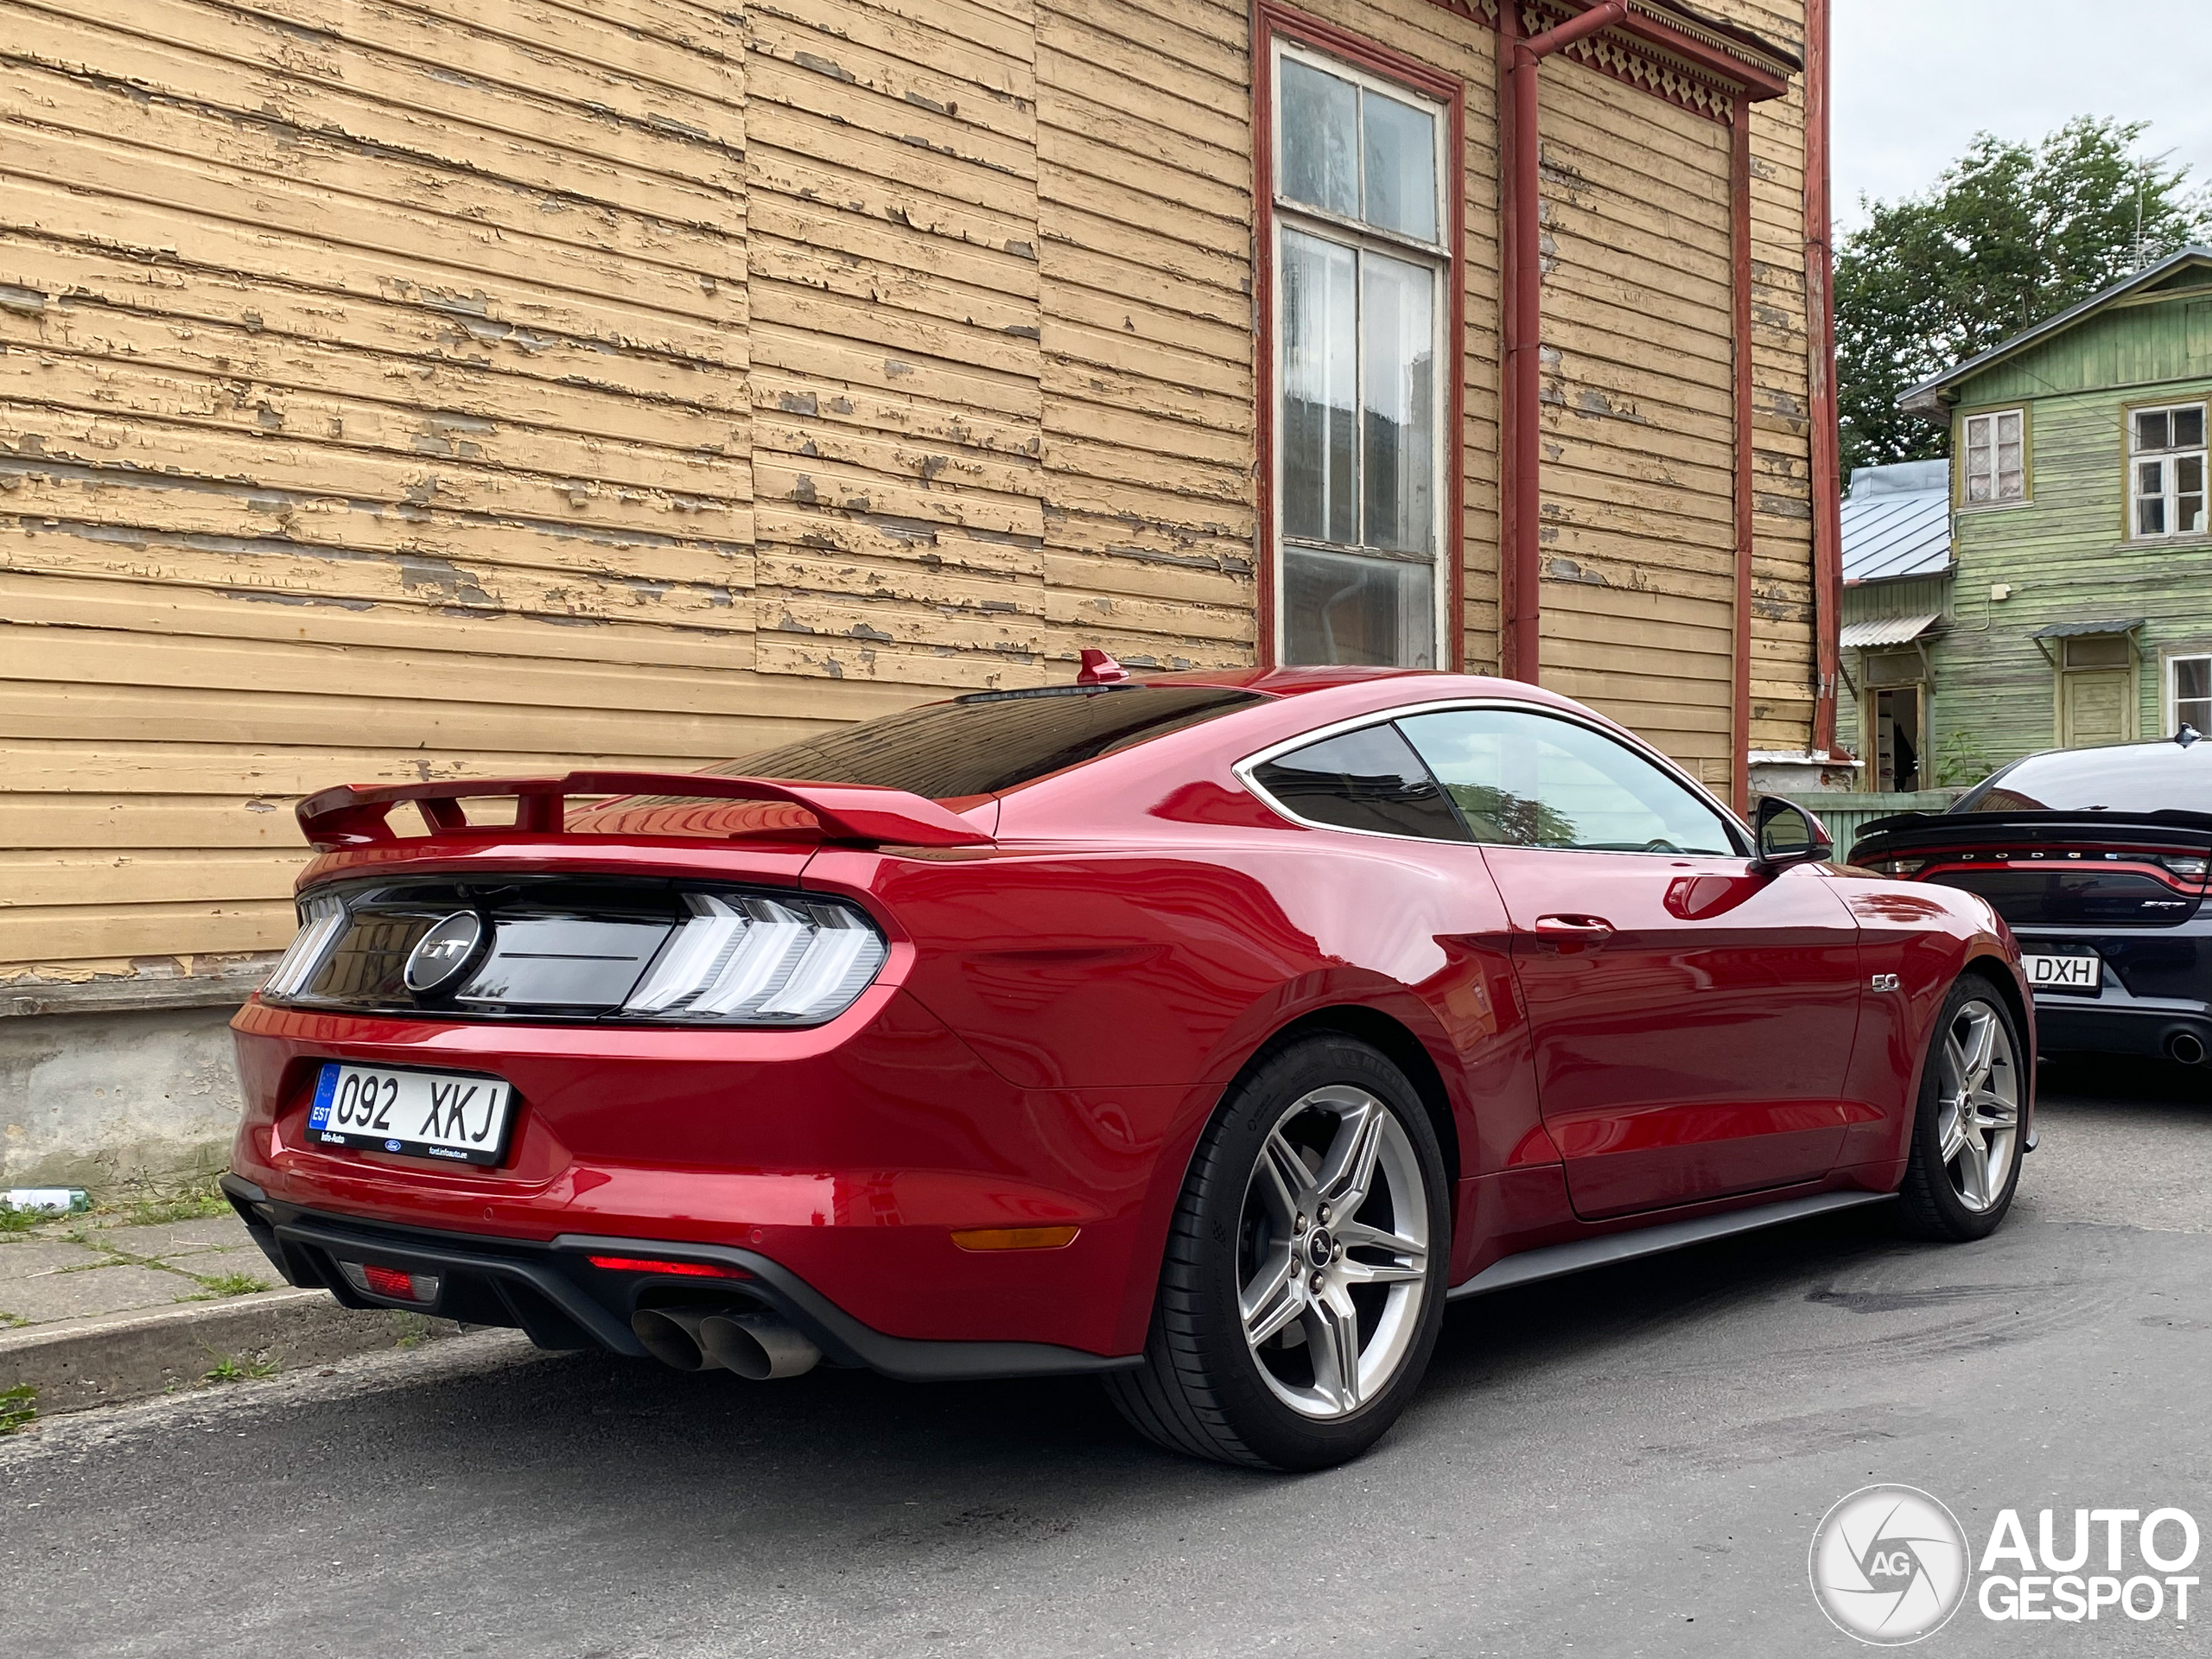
(2009, 235)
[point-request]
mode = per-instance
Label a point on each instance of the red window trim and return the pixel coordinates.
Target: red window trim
(1269, 21)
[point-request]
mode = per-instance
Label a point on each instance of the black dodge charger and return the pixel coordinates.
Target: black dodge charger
(2097, 858)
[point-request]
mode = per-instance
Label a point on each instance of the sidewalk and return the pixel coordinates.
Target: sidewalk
(104, 1308)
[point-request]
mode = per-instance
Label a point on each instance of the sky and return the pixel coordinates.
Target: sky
(1916, 80)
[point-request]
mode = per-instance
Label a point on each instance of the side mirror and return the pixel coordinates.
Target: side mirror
(1788, 834)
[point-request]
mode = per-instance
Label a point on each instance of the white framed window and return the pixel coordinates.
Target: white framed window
(1994, 468)
(2165, 471)
(2189, 694)
(1361, 281)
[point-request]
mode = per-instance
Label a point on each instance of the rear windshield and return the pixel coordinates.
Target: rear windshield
(990, 742)
(2127, 777)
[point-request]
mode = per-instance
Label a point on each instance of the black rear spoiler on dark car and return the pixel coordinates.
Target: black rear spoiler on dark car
(1907, 830)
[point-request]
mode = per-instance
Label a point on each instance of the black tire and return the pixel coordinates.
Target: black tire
(1205, 1388)
(1938, 1202)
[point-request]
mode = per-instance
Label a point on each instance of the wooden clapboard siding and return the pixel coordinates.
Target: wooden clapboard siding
(1145, 244)
(372, 404)
(1637, 481)
(464, 386)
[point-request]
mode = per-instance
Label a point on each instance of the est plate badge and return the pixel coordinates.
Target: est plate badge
(448, 1116)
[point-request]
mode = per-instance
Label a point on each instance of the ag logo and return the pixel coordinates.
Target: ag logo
(1888, 1565)
(444, 953)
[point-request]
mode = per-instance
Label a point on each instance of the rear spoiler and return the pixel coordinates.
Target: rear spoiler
(1918, 829)
(355, 815)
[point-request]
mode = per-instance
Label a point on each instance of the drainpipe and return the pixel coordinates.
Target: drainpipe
(1819, 296)
(1739, 262)
(1522, 504)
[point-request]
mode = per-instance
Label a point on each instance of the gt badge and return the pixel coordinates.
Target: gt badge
(444, 953)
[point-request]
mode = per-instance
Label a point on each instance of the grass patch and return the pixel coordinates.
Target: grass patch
(232, 1368)
(14, 1222)
(9, 1321)
(185, 1197)
(18, 1406)
(232, 1284)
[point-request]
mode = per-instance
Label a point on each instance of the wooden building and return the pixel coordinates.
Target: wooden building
(2081, 529)
(463, 386)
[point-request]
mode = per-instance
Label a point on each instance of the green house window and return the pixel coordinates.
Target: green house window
(2166, 470)
(2190, 693)
(1995, 469)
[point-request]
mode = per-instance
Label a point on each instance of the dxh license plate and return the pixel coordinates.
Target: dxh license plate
(2064, 973)
(444, 1115)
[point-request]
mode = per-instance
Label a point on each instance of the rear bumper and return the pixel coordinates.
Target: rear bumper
(2157, 987)
(2110, 1025)
(552, 1292)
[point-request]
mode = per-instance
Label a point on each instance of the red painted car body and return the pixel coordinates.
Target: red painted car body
(1063, 1003)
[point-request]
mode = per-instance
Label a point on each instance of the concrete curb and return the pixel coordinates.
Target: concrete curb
(108, 1357)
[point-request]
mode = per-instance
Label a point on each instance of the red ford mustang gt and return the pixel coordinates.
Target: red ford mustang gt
(1205, 1031)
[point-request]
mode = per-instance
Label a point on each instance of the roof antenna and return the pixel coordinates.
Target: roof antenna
(1099, 669)
(2188, 735)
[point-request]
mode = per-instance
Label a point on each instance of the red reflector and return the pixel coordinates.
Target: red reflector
(389, 1282)
(654, 1264)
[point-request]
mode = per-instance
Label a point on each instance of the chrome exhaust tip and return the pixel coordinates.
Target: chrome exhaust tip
(757, 1346)
(2187, 1047)
(672, 1335)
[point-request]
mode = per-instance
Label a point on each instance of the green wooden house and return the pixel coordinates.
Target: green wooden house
(2080, 602)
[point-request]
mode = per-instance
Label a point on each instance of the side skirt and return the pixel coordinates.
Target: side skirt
(1551, 1261)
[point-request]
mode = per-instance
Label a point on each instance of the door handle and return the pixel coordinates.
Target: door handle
(1581, 930)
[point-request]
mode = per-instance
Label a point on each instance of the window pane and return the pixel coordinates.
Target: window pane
(2151, 515)
(2008, 427)
(1978, 485)
(1361, 780)
(1401, 154)
(1978, 431)
(2189, 426)
(1320, 115)
(2188, 514)
(2008, 457)
(1346, 610)
(2188, 472)
(2151, 429)
(1399, 330)
(2011, 486)
(1528, 780)
(2193, 692)
(1319, 414)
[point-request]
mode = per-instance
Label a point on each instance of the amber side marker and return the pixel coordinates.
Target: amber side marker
(1015, 1238)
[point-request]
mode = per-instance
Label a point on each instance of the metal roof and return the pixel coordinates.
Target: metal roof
(2070, 630)
(1926, 399)
(1897, 522)
(1887, 631)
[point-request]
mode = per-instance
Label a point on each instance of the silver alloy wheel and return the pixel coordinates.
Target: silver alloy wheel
(1333, 1252)
(1978, 1110)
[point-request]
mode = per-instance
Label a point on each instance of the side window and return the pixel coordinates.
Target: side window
(1361, 780)
(1524, 779)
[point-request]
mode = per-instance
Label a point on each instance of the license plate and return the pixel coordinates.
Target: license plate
(2064, 973)
(448, 1116)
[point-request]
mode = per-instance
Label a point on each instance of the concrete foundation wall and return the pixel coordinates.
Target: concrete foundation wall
(91, 1100)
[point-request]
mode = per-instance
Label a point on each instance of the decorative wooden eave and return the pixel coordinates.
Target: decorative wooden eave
(1669, 51)
(1699, 65)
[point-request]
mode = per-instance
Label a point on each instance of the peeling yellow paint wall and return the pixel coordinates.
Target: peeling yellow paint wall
(375, 407)
(461, 386)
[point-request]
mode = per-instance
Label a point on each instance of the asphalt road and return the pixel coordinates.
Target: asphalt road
(1631, 1462)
